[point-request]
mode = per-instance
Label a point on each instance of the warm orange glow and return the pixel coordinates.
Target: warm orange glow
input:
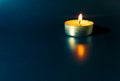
(80, 18)
(81, 51)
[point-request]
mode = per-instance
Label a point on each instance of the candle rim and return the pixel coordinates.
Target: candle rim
(78, 25)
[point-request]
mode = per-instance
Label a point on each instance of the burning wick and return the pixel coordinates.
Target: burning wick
(79, 21)
(80, 18)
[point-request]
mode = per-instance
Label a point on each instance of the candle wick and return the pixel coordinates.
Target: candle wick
(79, 21)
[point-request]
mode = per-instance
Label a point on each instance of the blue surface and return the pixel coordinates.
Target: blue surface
(34, 47)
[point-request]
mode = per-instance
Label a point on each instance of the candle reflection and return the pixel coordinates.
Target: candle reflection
(79, 47)
(81, 52)
(72, 43)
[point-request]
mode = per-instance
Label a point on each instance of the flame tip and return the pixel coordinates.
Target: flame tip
(80, 17)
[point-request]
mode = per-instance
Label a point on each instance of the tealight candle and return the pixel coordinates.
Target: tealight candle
(78, 27)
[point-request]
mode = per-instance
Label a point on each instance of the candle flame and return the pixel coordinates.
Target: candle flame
(80, 18)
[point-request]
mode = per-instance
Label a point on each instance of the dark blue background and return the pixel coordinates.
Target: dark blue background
(34, 47)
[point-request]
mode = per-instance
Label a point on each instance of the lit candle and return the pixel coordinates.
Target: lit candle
(78, 27)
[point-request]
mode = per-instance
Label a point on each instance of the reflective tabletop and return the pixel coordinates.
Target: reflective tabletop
(34, 47)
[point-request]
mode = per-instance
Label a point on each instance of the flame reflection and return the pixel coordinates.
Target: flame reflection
(79, 47)
(81, 52)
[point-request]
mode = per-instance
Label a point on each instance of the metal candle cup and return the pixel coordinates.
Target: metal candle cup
(78, 27)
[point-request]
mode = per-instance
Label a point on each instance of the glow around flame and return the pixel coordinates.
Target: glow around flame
(80, 18)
